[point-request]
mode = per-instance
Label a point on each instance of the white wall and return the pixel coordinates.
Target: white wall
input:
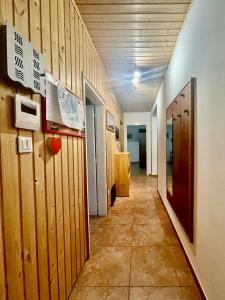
(139, 118)
(133, 148)
(200, 53)
(154, 139)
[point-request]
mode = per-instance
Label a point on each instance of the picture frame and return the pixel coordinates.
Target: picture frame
(117, 134)
(110, 121)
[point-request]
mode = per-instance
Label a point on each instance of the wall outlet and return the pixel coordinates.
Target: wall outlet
(25, 144)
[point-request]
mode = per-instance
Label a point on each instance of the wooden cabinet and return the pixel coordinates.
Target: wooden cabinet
(122, 173)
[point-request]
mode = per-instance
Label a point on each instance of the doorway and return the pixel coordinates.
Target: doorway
(154, 144)
(136, 145)
(95, 152)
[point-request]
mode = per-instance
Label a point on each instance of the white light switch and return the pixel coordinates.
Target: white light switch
(25, 144)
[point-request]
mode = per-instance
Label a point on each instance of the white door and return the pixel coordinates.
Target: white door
(91, 159)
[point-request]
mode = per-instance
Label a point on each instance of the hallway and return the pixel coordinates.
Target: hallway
(135, 253)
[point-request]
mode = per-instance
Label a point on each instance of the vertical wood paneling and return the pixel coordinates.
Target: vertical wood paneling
(43, 245)
(68, 43)
(10, 184)
(66, 209)
(72, 211)
(80, 199)
(57, 159)
(26, 182)
(77, 209)
(39, 169)
(2, 258)
(81, 59)
(72, 47)
(84, 198)
(77, 45)
(12, 217)
(49, 163)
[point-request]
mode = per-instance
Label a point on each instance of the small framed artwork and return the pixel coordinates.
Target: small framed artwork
(110, 121)
(117, 133)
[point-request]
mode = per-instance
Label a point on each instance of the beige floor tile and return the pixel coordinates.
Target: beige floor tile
(107, 267)
(151, 266)
(147, 204)
(100, 293)
(111, 235)
(177, 258)
(115, 216)
(145, 216)
(170, 234)
(185, 277)
(190, 293)
(149, 235)
(155, 266)
(150, 293)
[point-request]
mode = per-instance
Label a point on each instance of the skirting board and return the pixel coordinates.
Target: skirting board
(189, 263)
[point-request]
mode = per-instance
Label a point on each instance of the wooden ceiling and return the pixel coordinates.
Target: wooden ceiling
(134, 35)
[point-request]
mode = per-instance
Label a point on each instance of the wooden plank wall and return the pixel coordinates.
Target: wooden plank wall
(43, 228)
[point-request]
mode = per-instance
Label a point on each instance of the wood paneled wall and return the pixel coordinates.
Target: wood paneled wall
(43, 228)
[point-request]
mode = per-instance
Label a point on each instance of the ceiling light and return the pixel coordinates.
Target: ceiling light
(135, 80)
(137, 74)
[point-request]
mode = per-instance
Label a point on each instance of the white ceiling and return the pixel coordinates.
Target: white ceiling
(134, 35)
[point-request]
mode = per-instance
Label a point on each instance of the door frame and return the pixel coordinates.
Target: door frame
(101, 166)
(148, 141)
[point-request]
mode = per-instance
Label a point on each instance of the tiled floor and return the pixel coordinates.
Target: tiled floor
(135, 253)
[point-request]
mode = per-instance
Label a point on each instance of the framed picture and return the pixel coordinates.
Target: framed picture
(110, 121)
(117, 133)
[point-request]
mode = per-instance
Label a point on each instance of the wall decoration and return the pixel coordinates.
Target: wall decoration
(19, 61)
(117, 133)
(54, 144)
(109, 121)
(63, 111)
(27, 113)
(180, 156)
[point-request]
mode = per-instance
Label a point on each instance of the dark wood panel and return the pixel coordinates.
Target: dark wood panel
(182, 198)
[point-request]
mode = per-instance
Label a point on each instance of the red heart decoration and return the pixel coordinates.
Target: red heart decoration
(54, 144)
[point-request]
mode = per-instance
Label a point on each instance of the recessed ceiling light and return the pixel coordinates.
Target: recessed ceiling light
(137, 74)
(135, 80)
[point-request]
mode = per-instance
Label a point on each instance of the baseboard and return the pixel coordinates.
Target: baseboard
(185, 254)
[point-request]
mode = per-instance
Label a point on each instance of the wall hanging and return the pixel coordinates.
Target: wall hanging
(109, 121)
(117, 133)
(63, 112)
(54, 144)
(19, 61)
(180, 156)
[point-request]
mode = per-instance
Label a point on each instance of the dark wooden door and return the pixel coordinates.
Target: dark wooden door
(142, 148)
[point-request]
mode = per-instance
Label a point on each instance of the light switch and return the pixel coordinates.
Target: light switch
(25, 144)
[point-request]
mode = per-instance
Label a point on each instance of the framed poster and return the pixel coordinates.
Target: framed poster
(117, 133)
(110, 121)
(63, 111)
